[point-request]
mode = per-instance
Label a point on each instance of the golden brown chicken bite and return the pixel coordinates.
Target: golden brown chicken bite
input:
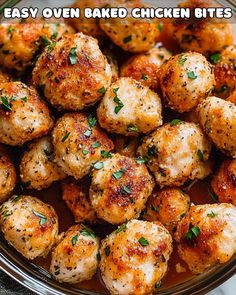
(145, 67)
(129, 108)
(218, 119)
(134, 258)
(207, 236)
(224, 182)
(20, 43)
(76, 195)
(134, 35)
(7, 174)
(74, 73)
(23, 115)
(37, 167)
(79, 144)
(175, 152)
(120, 189)
(185, 80)
(29, 225)
(225, 71)
(168, 206)
(75, 258)
(203, 35)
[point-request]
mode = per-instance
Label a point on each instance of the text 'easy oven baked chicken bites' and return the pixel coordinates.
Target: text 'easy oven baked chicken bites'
(134, 257)
(76, 195)
(225, 71)
(203, 35)
(79, 144)
(23, 115)
(168, 206)
(207, 236)
(37, 167)
(175, 152)
(145, 67)
(7, 174)
(218, 119)
(73, 73)
(224, 182)
(120, 189)
(21, 43)
(134, 35)
(29, 225)
(185, 80)
(75, 258)
(129, 108)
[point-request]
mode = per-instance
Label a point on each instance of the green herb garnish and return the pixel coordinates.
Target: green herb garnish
(65, 136)
(73, 56)
(74, 240)
(193, 233)
(42, 217)
(191, 75)
(142, 241)
(127, 39)
(98, 165)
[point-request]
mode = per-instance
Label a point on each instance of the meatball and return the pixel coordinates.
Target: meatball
(23, 115)
(76, 195)
(87, 26)
(7, 174)
(176, 152)
(37, 166)
(224, 182)
(129, 108)
(29, 225)
(207, 236)
(145, 67)
(120, 189)
(168, 206)
(74, 73)
(21, 43)
(134, 257)
(203, 35)
(4, 77)
(75, 258)
(218, 119)
(126, 146)
(79, 144)
(225, 71)
(185, 80)
(134, 35)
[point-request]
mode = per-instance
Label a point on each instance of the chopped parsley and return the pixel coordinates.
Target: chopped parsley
(200, 155)
(158, 285)
(215, 58)
(42, 217)
(191, 75)
(122, 227)
(6, 105)
(142, 241)
(132, 128)
(193, 233)
(74, 240)
(10, 30)
(102, 90)
(65, 137)
(98, 165)
(85, 152)
(24, 99)
(144, 77)
(161, 56)
(141, 160)
(152, 151)
(160, 27)
(127, 39)
(125, 189)
(182, 60)
(73, 56)
(92, 121)
(131, 200)
(117, 175)
(175, 122)
(106, 154)
(88, 132)
(87, 232)
(117, 101)
(107, 250)
(16, 198)
(55, 32)
(212, 214)
(45, 40)
(96, 144)
(98, 256)
(6, 213)
(51, 46)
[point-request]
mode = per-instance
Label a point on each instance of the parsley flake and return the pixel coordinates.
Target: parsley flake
(107, 250)
(73, 56)
(200, 155)
(6, 106)
(74, 240)
(98, 165)
(106, 154)
(102, 90)
(65, 136)
(42, 217)
(92, 121)
(191, 75)
(215, 58)
(96, 144)
(132, 128)
(160, 27)
(142, 241)
(117, 101)
(193, 233)
(125, 189)
(117, 175)
(87, 232)
(144, 77)
(127, 39)
(141, 160)
(182, 60)
(175, 122)
(212, 214)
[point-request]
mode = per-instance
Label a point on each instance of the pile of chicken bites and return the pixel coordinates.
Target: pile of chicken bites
(123, 142)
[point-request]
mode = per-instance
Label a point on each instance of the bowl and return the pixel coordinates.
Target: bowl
(38, 279)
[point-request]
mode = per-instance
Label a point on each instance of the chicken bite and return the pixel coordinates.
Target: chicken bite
(218, 119)
(29, 225)
(75, 258)
(134, 257)
(185, 80)
(129, 108)
(145, 67)
(120, 189)
(23, 115)
(76, 195)
(74, 73)
(176, 152)
(203, 35)
(7, 174)
(225, 71)
(224, 182)
(37, 167)
(21, 43)
(79, 144)
(168, 206)
(207, 236)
